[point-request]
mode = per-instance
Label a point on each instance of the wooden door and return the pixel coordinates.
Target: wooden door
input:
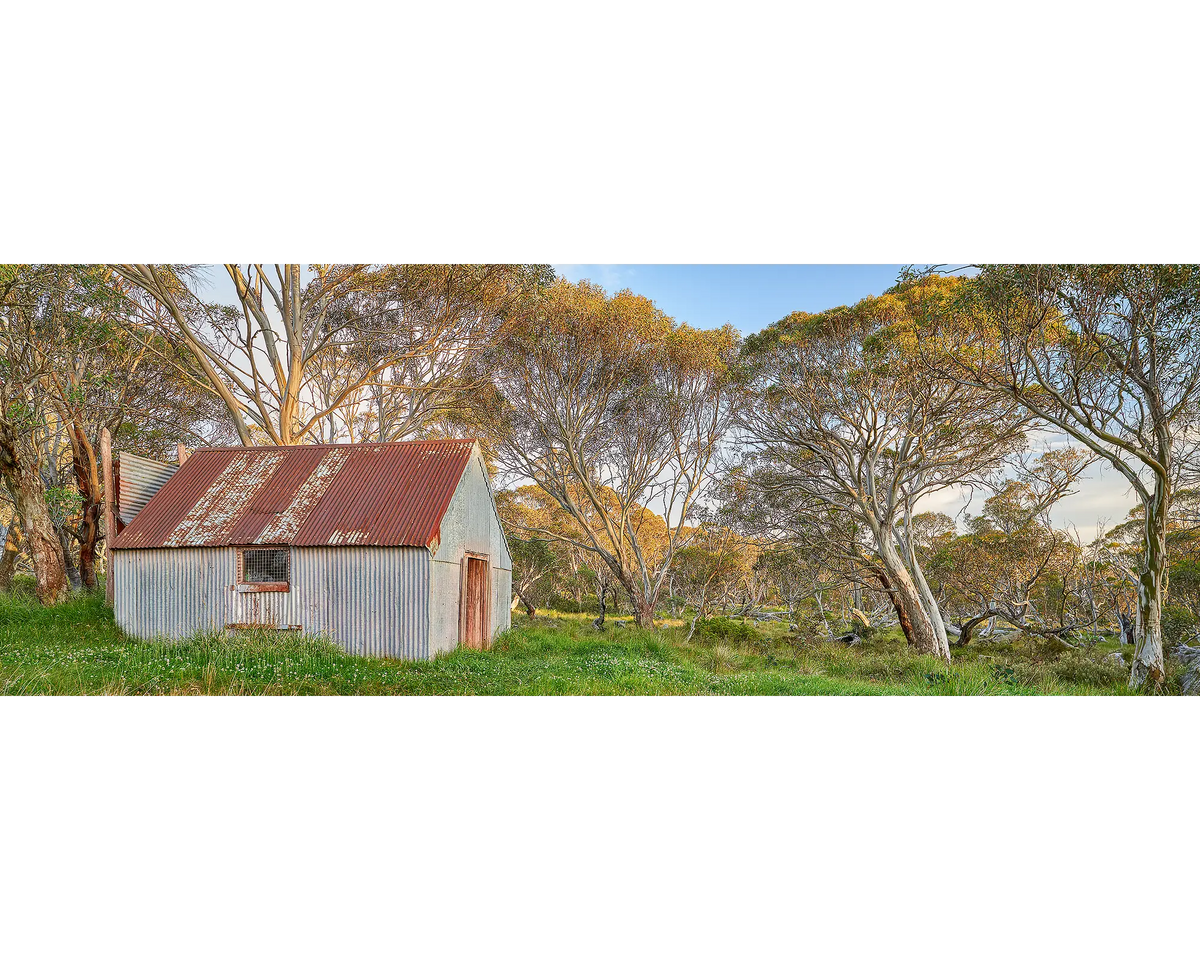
(475, 604)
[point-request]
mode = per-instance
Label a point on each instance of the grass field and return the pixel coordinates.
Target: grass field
(78, 649)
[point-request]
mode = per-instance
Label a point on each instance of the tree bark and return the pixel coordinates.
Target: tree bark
(932, 610)
(73, 577)
(28, 493)
(914, 621)
(599, 621)
(87, 478)
(930, 603)
(821, 610)
(643, 612)
(967, 630)
(917, 630)
(530, 611)
(12, 550)
(1128, 633)
(1148, 669)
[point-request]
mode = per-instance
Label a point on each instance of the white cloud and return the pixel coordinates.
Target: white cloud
(611, 278)
(570, 271)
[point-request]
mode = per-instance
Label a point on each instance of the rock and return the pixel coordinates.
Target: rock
(1116, 659)
(1190, 658)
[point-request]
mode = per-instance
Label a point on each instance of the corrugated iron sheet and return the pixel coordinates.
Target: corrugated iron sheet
(372, 602)
(173, 593)
(137, 480)
(368, 600)
(373, 494)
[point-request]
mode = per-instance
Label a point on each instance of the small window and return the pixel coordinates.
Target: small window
(264, 566)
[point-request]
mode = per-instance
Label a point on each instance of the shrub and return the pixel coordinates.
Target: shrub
(726, 631)
(1178, 625)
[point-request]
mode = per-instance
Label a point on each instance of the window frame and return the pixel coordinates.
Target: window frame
(272, 586)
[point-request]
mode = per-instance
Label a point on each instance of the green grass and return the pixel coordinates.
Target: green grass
(77, 649)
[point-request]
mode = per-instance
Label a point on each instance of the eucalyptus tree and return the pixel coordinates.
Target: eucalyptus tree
(617, 413)
(32, 299)
(714, 564)
(535, 563)
(1013, 565)
(846, 420)
(1020, 579)
(1110, 356)
(107, 373)
(1121, 549)
(74, 365)
(391, 345)
(809, 549)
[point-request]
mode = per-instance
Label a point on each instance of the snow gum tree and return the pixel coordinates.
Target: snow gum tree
(1109, 355)
(617, 413)
(845, 418)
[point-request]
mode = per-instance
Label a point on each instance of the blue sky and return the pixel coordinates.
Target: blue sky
(749, 296)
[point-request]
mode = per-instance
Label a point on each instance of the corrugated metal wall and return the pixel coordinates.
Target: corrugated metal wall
(372, 601)
(138, 479)
(173, 593)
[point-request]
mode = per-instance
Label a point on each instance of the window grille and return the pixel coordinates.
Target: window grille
(265, 566)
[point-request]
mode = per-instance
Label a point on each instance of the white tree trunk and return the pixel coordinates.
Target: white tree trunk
(907, 599)
(931, 606)
(1148, 666)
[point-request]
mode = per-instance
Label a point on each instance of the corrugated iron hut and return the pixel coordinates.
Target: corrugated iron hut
(390, 549)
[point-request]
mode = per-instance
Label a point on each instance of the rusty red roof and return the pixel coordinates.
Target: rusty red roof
(363, 494)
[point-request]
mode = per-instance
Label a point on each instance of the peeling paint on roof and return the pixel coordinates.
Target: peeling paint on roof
(380, 494)
(224, 501)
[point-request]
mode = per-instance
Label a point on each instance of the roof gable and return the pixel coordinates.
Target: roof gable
(371, 494)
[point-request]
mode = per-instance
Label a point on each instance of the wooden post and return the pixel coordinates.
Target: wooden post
(181, 452)
(110, 520)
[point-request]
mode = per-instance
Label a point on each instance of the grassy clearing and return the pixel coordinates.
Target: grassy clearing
(78, 649)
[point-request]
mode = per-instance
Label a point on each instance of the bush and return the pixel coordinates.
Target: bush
(1178, 625)
(723, 630)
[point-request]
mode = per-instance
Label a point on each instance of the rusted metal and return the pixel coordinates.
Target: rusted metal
(426, 507)
(375, 494)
